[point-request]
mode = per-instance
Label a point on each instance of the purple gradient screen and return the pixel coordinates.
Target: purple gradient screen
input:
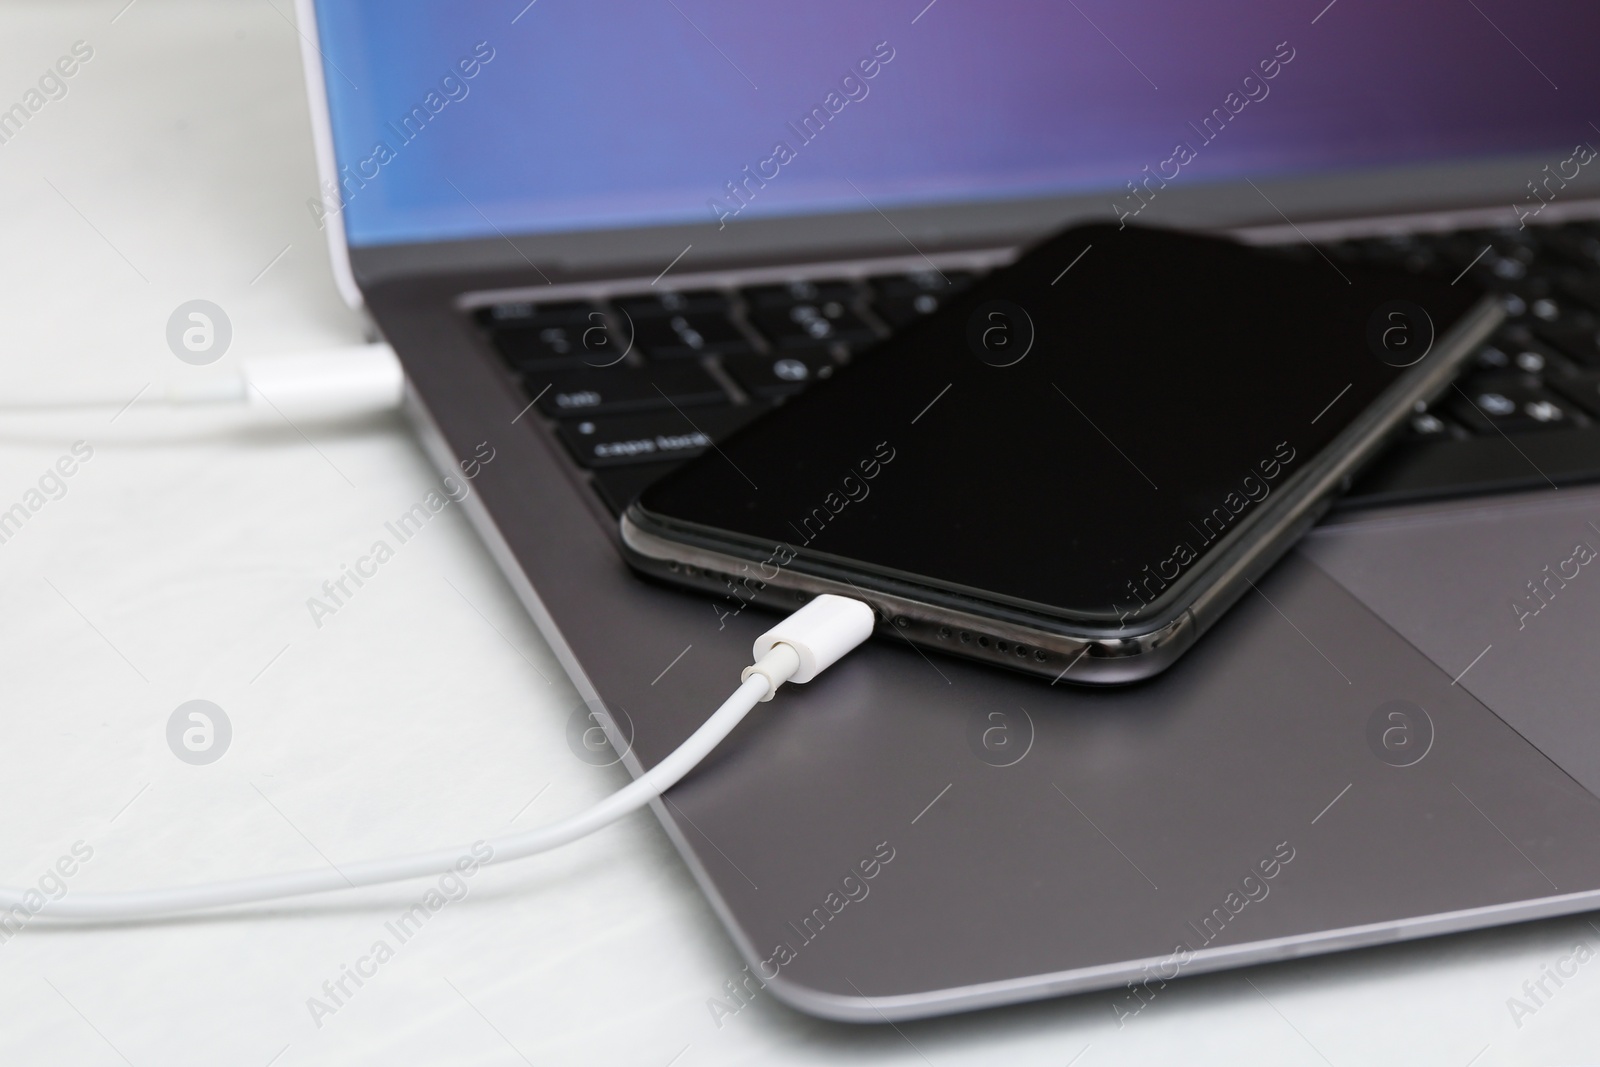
(497, 118)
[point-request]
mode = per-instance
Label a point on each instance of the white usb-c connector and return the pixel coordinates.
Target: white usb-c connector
(797, 649)
(349, 381)
(821, 633)
(358, 380)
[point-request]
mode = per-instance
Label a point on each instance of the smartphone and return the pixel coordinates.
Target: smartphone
(1075, 466)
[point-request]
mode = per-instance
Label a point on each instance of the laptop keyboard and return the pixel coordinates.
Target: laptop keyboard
(636, 384)
(1525, 414)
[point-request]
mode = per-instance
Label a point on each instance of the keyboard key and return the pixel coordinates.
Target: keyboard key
(627, 439)
(1504, 268)
(1581, 288)
(558, 346)
(1455, 251)
(567, 335)
(1545, 310)
(1426, 426)
(1403, 251)
(1530, 360)
(1516, 349)
(1494, 357)
(1521, 297)
(900, 299)
(1581, 386)
(1508, 242)
(584, 391)
(942, 282)
(902, 311)
(800, 292)
(784, 376)
(1574, 339)
(1572, 247)
(689, 334)
(1508, 403)
(809, 325)
(525, 313)
(1499, 258)
(675, 303)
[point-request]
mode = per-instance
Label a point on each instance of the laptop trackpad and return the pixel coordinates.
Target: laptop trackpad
(1503, 595)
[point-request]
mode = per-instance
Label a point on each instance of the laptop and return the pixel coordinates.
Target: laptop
(603, 236)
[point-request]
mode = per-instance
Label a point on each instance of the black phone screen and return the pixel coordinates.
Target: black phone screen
(1074, 432)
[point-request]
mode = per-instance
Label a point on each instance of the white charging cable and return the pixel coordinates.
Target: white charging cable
(798, 649)
(346, 381)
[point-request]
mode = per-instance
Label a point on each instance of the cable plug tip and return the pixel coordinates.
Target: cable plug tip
(777, 666)
(820, 634)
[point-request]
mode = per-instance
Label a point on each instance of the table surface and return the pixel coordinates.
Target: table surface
(175, 564)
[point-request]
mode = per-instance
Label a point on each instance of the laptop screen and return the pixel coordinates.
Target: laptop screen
(479, 119)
